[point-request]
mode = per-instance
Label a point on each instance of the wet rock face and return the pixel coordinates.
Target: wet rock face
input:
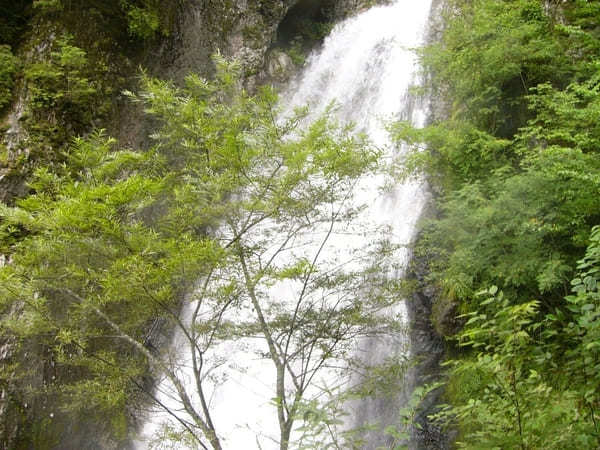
(280, 66)
(243, 29)
(444, 317)
(428, 350)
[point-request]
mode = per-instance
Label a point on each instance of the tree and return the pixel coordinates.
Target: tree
(229, 207)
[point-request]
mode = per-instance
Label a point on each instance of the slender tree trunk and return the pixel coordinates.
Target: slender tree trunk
(286, 431)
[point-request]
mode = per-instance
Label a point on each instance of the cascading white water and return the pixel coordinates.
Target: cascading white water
(366, 66)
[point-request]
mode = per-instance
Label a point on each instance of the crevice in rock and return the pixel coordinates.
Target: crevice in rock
(306, 23)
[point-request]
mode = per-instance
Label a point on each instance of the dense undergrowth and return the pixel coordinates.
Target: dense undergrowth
(514, 156)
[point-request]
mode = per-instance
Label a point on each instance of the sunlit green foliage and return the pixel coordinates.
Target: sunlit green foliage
(518, 199)
(60, 87)
(491, 54)
(83, 240)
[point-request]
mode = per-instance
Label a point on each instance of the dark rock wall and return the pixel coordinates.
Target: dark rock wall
(428, 350)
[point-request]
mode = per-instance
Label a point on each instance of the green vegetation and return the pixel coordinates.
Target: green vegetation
(8, 68)
(65, 63)
(516, 162)
(66, 94)
(69, 61)
(144, 18)
(108, 244)
(531, 380)
(61, 92)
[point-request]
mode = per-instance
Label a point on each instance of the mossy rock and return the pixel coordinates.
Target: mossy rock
(444, 318)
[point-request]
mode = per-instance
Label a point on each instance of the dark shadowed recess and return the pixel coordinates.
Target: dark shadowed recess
(306, 22)
(13, 18)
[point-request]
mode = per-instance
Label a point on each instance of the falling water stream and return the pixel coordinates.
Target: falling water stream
(366, 67)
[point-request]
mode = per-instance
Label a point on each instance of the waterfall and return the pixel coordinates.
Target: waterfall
(366, 67)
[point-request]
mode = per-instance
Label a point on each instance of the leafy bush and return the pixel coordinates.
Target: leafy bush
(537, 378)
(60, 85)
(143, 22)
